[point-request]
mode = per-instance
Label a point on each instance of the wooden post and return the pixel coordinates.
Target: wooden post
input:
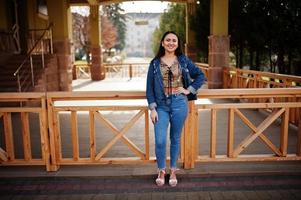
(44, 135)
(26, 136)
(146, 139)
(53, 162)
(230, 133)
(284, 132)
(130, 71)
(188, 137)
(299, 135)
(9, 138)
(213, 134)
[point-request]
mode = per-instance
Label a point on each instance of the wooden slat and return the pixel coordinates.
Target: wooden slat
(266, 123)
(74, 135)
(298, 150)
(188, 137)
(9, 139)
(17, 96)
(20, 109)
(261, 136)
(213, 134)
(52, 135)
(250, 157)
(125, 140)
(96, 108)
(1, 115)
(249, 105)
(3, 155)
(120, 134)
(57, 136)
(146, 134)
(44, 135)
(22, 162)
(26, 136)
(196, 134)
(230, 133)
(92, 135)
(284, 132)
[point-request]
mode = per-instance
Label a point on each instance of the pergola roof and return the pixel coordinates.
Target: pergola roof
(101, 2)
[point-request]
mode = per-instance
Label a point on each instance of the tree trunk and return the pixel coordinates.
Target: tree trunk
(289, 69)
(257, 61)
(251, 59)
(270, 58)
(237, 56)
(280, 62)
(241, 54)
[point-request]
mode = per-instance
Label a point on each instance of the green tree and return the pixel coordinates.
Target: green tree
(172, 20)
(261, 29)
(114, 13)
(200, 25)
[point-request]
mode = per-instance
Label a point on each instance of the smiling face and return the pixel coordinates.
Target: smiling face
(170, 43)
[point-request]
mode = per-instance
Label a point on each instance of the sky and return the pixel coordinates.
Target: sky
(144, 6)
(131, 6)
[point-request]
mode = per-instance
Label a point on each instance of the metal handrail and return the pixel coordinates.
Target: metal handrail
(29, 56)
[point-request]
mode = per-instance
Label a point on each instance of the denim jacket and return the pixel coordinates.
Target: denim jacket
(193, 78)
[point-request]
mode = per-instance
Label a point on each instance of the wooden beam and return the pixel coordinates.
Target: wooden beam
(26, 136)
(120, 134)
(3, 155)
(92, 135)
(261, 136)
(266, 123)
(74, 135)
(284, 132)
(213, 134)
(230, 133)
(9, 139)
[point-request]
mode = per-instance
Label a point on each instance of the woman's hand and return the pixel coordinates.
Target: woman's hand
(154, 116)
(182, 90)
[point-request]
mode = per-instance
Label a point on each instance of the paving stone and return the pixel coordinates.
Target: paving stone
(192, 196)
(204, 196)
(274, 194)
(216, 195)
(157, 196)
(233, 195)
(251, 195)
(264, 195)
(286, 194)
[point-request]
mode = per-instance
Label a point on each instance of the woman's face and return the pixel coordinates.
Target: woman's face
(170, 43)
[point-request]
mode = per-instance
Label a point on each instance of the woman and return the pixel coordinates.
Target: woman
(172, 80)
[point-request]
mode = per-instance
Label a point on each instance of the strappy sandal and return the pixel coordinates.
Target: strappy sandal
(173, 180)
(160, 181)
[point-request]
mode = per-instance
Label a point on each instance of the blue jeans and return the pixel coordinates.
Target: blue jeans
(174, 112)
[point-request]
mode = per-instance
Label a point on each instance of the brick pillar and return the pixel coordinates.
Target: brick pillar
(64, 61)
(218, 58)
(97, 71)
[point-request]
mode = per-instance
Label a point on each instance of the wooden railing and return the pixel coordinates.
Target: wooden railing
(256, 126)
(240, 78)
(80, 102)
(205, 68)
(126, 70)
(122, 70)
(21, 144)
(85, 141)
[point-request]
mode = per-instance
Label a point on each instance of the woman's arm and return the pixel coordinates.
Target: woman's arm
(150, 96)
(197, 75)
